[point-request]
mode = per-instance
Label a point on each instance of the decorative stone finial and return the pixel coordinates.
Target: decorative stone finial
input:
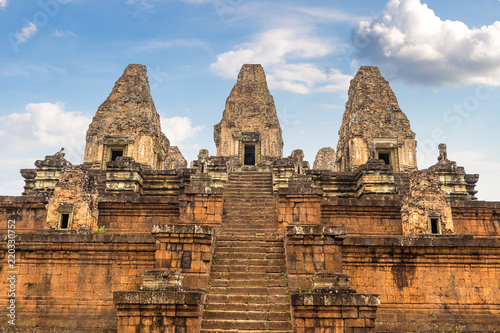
(443, 154)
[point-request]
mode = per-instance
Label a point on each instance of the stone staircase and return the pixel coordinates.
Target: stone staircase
(248, 285)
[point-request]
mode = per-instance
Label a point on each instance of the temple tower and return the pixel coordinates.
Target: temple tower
(373, 126)
(249, 129)
(127, 124)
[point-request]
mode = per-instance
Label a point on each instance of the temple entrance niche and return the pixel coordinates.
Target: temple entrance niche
(249, 152)
(249, 155)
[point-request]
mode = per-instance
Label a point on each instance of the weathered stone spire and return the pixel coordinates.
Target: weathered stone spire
(249, 118)
(374, 126)
(127, 124)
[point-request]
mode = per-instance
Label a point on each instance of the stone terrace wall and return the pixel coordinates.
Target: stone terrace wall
(478, 218)
(428, 284)
(29, 213)
(66, 280)
(363, 217)
(135, 215)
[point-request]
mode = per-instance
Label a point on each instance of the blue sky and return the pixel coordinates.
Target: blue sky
(60, 58)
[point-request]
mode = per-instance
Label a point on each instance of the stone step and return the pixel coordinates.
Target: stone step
(228, 254)
(253, 251)
(246, 315)
(242, 330)
(250, 244)
(270, 283)
(248, 299)
(247, 290)
(249, 262)
(249, 203)
(249, 269)
(258, 325)
(248, 307)
(247, 276)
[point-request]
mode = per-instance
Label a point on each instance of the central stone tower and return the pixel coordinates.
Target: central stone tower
(249, 129)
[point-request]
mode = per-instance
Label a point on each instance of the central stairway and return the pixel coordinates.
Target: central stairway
(248, 285)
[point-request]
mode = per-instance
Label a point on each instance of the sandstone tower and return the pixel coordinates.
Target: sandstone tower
(373, 126)
(127, 124)
(132, 241)
(249, 129)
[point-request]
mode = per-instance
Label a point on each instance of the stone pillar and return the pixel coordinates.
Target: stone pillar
(160, 306)
(124, 177)
(310, 250)
(332, 306)
(375, 180)
(187, 249)
(299, 203)
(201, 203)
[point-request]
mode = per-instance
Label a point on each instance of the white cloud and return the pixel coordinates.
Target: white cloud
(26, 32)
(410, 42)
(44, 127)
(158, 44)
(28, 69)
(3, 3)
(59, 33)
(179, 129)
(284, 53)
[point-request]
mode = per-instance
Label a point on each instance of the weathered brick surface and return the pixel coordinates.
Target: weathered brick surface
(187, 249)
(200, 208)
(159, 311)
(478, 218)
(298, 209)
(363, 217)
(63, 279)
(428, 284)
(134, 215)
(312, 249)
(30, 213)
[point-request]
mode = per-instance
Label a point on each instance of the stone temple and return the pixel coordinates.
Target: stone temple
(249, 240)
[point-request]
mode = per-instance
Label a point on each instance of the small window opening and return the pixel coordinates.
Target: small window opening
(116, 153)
(386, 157)
(435, 225)
(64, 221)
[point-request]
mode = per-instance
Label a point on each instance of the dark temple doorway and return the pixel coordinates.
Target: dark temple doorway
(249, 155)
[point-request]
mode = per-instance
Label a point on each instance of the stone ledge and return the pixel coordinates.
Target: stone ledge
(425, 241)
(56, 236)
(315, 230)
(475, 204)
(361, 202)
(6, 201)
(139, 199)
(183, 229)
(158, 297)
(321, 299)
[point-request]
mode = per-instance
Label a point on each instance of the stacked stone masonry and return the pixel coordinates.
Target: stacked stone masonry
(249, 240)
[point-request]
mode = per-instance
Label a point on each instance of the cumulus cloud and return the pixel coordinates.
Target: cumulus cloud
(286, 55)
(3, 3)
(26, 32)
(179, 129)
(44, 127)
(59, 33)
(41, 129)
(409, 41)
